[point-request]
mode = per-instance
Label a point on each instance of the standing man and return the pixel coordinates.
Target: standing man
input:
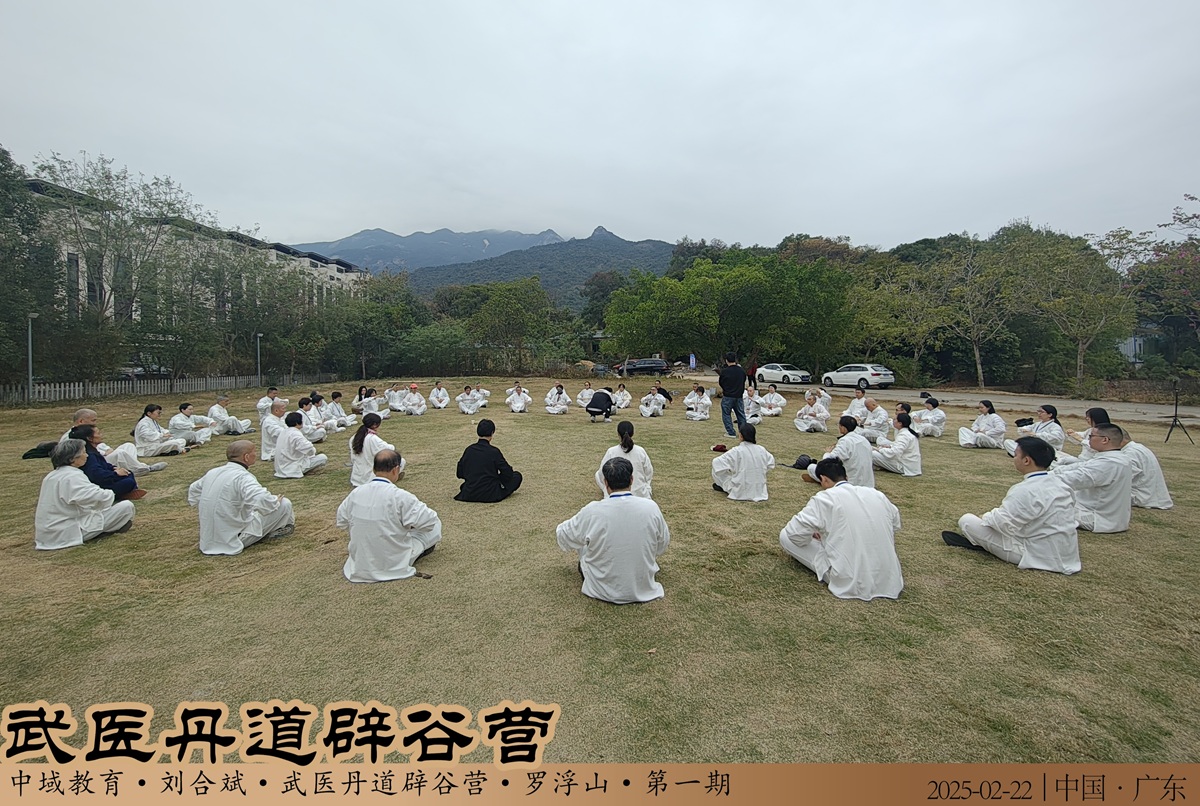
(619, 540)
(846, 535)
(390, 528)
(733, 381)
(235, 510)
(487, 476)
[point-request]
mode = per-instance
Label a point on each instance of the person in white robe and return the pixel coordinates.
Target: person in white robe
(439, 398)
(518, 400)
(813, 416)
(235, 510)
(652, 404)
(858, 406)
(124, 455)
(376, 404)
(903, 453)
(700, 406)
(413, 403)
(772, 402)
(752, 405)
(192, 428)
(930, 421)
(266, 401)
(333, 411)
(622, 399)
(467, 402)
(987, 431)
(854, 452)
(1148, 486)
(390, 528)
(1045, 426)
(585, 395)
(223, 421)
(151, 439)
(294, 454)
(619, 540)
(481, 396)
(741, 472)
(824, 399)
(394, 394)
(1034, 526)
(1103, 485)
(356, 405)
(318, 414)
(846, 535)
(557, 400)
(692, 396)
(272, 428)
(310, 425)
(1094, 417)
(70, 509)
(364, 446)
(643, 470)
(876, 422)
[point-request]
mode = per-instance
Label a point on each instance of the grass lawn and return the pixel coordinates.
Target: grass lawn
(747, 659)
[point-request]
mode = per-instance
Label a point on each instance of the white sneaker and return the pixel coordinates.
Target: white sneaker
(154, 468)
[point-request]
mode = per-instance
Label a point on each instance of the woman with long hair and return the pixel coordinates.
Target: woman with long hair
(902, 454)
(1046, 427)
(1094, 416)
(375, 404)
(151, 439)
(365, 443)
(643, 471)
(356, 405)
(987, 431)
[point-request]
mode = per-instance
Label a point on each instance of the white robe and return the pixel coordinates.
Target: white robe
(413, 403)
(652, 405)
(1034, 526)
(857, 457)
(334, 411)
(235, 510)
(184, 427)
(857, 408)
(742, 471)
(813, 417)
(152, 439)
(467, 403)
(394, 399)
(124, 455)
(584, 397)
(272, 428)
(362, 465)
(482, 395)
(751, 406)
(622, 399)
(518, 402)
(557, 402)
(699, 408)
(372, 405)
(824, 399)
(875, 424)
(295, 455)
(389, 528)
(643, 471)
(70, 510)
(439, 398)
(772, 404)
(986, 432)
(856, 553)
(310, 427)
(264, 405)
(901, 455)
(1051, 432)
(929, 422)
(1103, 487)
(224, 422)
(1149, 488)
(619, 540)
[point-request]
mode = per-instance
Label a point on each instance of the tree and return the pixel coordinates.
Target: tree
(597, 290)
(514, 313)
(980, 298)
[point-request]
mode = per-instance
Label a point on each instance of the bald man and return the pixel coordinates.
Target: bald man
(235, 510)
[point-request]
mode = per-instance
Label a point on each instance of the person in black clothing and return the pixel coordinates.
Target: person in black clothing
(733, 382)
(487, 476)
(100, 472)
(601, 404)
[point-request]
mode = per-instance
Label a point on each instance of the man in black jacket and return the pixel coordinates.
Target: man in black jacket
(733, 383)
(601, 404)
(487, 476)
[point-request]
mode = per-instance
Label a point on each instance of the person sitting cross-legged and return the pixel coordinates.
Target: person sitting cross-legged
(192, 428)
(294, 454)
(223, 421)
(70, 509)
(1103, 485)
(235, 510)
(100, 472)
(741, 472)
(487, 476)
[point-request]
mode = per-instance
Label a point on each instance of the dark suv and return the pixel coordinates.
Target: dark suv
(643, 366)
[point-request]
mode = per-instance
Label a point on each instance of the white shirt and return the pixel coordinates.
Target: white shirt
(467, 403)
(272, 428)
(518, 401)
(742, 471)
(218, 413)
(182, 424)
(622, 398)
(934, 420)
(906, 450)
(858, 528)
(1103, 485)
(229, 497)
(1149, 488)
(68, 506)
(813, 411)
(1049, 431)
(1038, 515)
(440, 398)
(362, 465)
(876, 422)
(643, 471)
(855, 452)
(774, 400)
(751, 402)
(148, 433)
(990, 425)
(585, 396)
(264, 405)
(385, 523)
(857, 408)
(290, 452)
(619, 540)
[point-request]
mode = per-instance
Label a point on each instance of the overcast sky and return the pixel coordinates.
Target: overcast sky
(886, 122)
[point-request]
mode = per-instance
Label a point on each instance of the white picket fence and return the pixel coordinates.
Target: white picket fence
(91, 390)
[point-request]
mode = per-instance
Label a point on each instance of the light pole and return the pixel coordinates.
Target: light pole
(29, 355)
(258, 340)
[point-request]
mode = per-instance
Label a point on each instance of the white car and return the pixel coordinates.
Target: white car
(864, 376)
(783, 373)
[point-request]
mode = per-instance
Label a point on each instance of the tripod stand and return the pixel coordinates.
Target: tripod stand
(1175, 419)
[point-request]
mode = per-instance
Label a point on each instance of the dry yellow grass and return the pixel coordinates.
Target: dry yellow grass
(753, 660)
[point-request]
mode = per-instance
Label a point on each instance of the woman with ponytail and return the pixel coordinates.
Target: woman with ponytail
(363, 446)
(643, 471)
(1046, 427)
(903, 454)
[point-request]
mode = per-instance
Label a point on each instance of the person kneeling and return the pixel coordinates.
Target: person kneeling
(619, 540)
(390, 528)
(846, 535)
(235, 510)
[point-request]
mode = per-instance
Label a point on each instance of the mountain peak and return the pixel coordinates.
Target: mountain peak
(601, 232)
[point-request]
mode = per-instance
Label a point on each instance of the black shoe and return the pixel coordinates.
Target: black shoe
(427, 551)
(718, 487)
(955, 539)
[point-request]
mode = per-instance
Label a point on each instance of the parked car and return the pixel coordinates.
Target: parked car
(864, 376)
(783, 373)
(643, 366)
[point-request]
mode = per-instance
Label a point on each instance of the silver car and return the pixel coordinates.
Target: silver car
(864, 376)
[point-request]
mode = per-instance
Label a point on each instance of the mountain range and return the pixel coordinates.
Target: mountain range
(378, 249)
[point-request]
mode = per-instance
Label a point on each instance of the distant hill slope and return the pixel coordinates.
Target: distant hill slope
(562, 267)
(378, 249)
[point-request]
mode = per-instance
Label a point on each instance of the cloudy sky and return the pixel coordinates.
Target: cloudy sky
(886, 122)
